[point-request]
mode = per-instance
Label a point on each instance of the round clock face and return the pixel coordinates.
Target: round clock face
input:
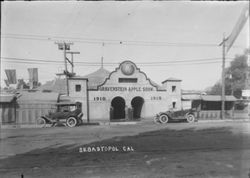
(127, 68)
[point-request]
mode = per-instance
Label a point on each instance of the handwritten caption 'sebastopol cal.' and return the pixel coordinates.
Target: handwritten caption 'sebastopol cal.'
(90, 149)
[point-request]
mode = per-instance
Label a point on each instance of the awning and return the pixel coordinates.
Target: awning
(38, 96)
(217, 98)
(190, 97)
(207, 97)
(7, 98)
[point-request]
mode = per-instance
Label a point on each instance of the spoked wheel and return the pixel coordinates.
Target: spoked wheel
(41, 122)
(190, 118)
(71, 122)
(163, 119)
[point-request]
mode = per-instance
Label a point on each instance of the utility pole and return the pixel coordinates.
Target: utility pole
(102, 63)
(229, 41)
(72, 60)
(65, 46)
(223, 78)
(102, 55)
(247, 87)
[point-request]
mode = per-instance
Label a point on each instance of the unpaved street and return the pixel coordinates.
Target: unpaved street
(204, 149)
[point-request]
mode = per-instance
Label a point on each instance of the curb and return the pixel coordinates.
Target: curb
(123, 123)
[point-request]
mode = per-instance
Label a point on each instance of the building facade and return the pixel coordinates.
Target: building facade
(124, 94)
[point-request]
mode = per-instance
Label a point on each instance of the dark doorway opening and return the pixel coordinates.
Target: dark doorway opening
(118, 105)
(137, 103)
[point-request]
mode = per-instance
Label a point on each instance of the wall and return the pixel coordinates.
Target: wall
(27, 112)
(81, 96)
(7, 113)
(99, 108)
(173, 96)
(100, 100)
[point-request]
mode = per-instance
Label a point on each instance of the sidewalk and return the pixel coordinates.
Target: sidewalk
(13, 126)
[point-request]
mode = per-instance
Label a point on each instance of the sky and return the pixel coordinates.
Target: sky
(164, 39)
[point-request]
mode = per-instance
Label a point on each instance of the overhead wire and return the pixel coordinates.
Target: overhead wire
(106, 41)
(109, 41)
(156, 63)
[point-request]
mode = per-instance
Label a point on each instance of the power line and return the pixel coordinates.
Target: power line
(119, 42)
(145, 64)
(107, 41)
(115, 63)
(116, 42)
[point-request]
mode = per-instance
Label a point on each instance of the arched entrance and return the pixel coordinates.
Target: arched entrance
(118, 104)
(137, 103)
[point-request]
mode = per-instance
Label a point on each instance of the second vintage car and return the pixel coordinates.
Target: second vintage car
(190, 115)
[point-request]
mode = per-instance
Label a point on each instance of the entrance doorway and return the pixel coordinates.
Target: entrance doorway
(118, 104)
(137, 103)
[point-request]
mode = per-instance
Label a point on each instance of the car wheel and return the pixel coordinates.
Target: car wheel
(163, 119)
(190, 118)
(71, 122)
(41, 122)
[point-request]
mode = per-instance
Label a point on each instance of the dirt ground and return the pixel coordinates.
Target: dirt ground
(145, 149)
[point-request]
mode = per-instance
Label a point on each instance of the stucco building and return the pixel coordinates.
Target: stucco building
(123, 94)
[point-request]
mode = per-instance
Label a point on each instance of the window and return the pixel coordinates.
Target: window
(78, 88)
(173, 88)
(127, 80)
(173, 104)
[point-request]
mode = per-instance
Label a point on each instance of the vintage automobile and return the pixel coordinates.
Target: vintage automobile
(190, 115)
(67, 113)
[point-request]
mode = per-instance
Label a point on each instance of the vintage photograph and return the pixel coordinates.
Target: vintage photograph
(108, 89)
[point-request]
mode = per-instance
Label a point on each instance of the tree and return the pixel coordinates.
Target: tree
(235, 80)
(21, 84)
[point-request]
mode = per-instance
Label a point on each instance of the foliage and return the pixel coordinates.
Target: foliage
(235, 77)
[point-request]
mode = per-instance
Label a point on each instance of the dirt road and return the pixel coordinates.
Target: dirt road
(204, 149)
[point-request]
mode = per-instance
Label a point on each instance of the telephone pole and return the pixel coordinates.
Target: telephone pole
(223, 78)
(72, 60)
(247, 72)
(65, 46)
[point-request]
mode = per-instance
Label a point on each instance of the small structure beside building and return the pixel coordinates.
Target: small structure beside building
(26, 107)
(8, 108)
(210, 106)
(32, 105)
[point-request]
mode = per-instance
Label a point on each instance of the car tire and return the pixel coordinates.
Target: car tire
(190, 118)
(71, 122)
(163, 119)
(41, 122)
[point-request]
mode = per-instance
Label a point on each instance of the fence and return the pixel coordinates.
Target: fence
(28, 113)
(7, 113)
(214, 114)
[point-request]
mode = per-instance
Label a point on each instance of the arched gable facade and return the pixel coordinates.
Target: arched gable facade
(128, 82)
(126, 89)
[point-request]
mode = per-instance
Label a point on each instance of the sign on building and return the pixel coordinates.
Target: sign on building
(246, 93)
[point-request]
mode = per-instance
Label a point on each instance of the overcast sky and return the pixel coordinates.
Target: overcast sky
(144, 32)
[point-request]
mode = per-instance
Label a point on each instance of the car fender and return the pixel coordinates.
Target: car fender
(195, 114)
(47, 119)
(166, 113)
